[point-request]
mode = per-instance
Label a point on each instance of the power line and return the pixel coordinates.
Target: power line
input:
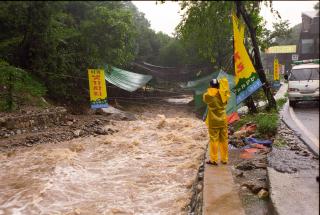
(134, 102)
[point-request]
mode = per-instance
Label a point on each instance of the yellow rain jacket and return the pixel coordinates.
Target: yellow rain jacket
(217, 100)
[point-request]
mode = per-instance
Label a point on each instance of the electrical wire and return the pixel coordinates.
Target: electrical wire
(154, 97)
(146, 103)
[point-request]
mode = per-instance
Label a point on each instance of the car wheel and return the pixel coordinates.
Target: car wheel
(292, 103)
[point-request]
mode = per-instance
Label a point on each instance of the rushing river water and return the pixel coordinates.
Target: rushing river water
(148, 167)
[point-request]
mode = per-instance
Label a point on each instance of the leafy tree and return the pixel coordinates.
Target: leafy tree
(208, 26)
(59, 41)
(292, 38)
(17, 87)
(316, 7)
(173, 54)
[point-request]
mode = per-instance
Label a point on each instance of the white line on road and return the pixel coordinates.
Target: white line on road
(313, 139)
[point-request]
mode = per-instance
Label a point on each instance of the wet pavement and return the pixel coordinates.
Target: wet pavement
(308, 114)
(220, 192)
(292, 173)
(148, 167)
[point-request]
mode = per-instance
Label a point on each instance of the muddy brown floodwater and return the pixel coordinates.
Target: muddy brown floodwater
(148, 167)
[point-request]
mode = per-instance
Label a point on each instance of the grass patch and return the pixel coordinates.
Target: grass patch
(244, 120)
(267, 123)
(281, 102)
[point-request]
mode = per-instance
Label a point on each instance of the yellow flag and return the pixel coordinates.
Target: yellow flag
(276, 67)
(224, 89)
(246, 78)
(243, 65)
(97, 87)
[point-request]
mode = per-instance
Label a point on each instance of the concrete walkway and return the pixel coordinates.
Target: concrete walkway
(220, 194)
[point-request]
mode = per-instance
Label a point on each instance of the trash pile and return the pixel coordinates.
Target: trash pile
(245, 140)
(250, 164)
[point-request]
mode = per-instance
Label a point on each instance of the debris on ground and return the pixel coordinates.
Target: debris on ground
(52, 125)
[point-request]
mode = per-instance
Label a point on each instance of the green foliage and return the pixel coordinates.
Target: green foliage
(244, 120)
(206, 30)
(58, 41)
(292, 38)
(259, 96)
(267, 123)
(18, 87)
(173, 54)
(316, 6)
(281, 102)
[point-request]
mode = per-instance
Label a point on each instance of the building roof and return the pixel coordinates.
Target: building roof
(306, 66)
(281, 49)
(311, 14)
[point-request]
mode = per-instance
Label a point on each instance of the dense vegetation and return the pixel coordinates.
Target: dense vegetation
(56, 42)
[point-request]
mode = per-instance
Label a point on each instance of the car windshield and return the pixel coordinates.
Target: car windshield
(304, 74)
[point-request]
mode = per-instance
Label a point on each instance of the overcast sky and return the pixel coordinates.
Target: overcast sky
(165, 17)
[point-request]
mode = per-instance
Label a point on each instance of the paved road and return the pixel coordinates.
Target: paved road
(308, 114)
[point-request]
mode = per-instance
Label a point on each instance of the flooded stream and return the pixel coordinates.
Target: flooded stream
(148, 167)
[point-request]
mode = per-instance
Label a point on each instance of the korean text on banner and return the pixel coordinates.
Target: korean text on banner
(97, 86)
(246, 79)
(276, 69)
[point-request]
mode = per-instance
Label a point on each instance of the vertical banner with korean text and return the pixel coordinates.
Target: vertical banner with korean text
(282, 69)
(246, 79)
(97, 87)
(276, 69)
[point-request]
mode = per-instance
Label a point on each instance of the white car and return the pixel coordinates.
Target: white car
(303, 83)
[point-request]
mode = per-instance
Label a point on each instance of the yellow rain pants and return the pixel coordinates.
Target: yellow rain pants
(217, 120)
(218, 139)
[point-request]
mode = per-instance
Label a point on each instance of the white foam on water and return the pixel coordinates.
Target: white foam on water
(146, 168)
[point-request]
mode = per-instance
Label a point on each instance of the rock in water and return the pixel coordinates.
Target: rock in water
(77, 133)
(69, 123)
(263, 194)
(101, 131)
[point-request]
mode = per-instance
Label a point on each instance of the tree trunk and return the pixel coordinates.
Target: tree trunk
(258, 63)
(251, 105)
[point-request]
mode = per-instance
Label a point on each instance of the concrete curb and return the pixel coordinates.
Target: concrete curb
(287, 192)
(272, 207)
(287, 119)
(289, 197)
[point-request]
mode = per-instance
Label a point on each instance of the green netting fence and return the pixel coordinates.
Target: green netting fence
(199, 86)
(125, 80)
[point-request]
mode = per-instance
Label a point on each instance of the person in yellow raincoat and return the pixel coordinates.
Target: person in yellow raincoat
(216, 99)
